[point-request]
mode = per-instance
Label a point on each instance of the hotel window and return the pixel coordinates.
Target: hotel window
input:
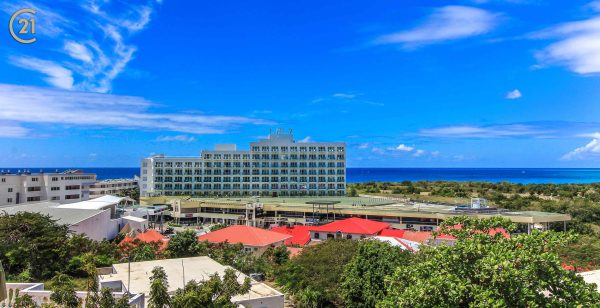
(54, 188)
(34, 179)
(34, 188)
(10, 190)
(30, 199)
(55, 198)
(3, 180)
(9, 200)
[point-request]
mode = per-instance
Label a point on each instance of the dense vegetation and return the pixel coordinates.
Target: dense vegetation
(581, 201)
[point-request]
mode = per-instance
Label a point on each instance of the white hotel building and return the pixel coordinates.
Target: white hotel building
(276, 166)
(64, 187)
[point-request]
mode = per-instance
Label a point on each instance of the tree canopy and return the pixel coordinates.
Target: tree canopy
(484, 270)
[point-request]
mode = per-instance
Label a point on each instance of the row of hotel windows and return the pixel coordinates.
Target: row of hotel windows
(296, 149)
(54, 179)
(247, 179)
(250, 172)
(255, 164)
(247, 186)
(39, 198)
(277, 156)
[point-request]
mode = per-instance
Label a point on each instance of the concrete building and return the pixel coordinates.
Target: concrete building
(41, 296)
(135, 279)
(275, 166)
(97, 218)
(64, 187)
(111, 187)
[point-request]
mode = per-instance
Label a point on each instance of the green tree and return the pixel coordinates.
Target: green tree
(362, 283)
(123, 302)
(184, 244)
(106, 299)
(63, 291)
(212, 293)
(481, 270)
(89, 267)
(317, 272)
(159, 289)
(31, 242)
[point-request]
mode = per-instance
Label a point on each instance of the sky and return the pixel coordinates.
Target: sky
(404, 83)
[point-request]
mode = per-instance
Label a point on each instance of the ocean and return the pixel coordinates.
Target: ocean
(357, 175)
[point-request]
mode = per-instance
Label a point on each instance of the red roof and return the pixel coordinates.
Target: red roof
(149, 236)
(392, 232)
(245, 235)
(353, 225)
(415, 236)
(300, 234)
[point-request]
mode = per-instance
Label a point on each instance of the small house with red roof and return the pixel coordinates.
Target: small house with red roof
(352, 228)
(255, 240)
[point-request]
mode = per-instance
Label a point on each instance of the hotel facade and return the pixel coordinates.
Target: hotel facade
(275, 166)
(62, 187)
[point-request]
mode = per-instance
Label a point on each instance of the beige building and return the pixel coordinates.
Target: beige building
(111, 187)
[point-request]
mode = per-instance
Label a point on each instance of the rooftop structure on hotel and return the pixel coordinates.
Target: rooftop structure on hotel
(275, 166)
(180, 271)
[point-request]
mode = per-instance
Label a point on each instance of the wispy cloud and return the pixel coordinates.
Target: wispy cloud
(404, 148)
(514, 94)
(25, 104)
(12, 131)
(590, 150)
(576, 46)
(346, 98)
(444, 24)
(56, 74)
(91, 41)
(493, 131)
(180, 138)
(306, 139)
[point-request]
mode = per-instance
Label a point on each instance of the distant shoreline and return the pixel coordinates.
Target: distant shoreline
(362, 175)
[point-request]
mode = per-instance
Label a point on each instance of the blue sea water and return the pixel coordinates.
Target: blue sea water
(357, 175)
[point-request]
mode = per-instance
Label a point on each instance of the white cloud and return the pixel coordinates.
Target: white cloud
(57, 75)
(494, 131)
(306, 139)
(180, 138)
(446, 23)
(12, 131)
(344, 95)
(418, 153)
(592, 149)
(514, 94)
(363, 146)
(94, 41)
(404, 148)
(25, 104)
(577, 46)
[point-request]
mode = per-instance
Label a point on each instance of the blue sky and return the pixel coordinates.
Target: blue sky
(404, 83)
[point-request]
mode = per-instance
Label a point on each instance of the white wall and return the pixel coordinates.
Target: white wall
(98, 227)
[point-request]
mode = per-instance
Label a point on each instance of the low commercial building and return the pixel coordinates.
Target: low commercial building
(399, 214)
(112, 187)
(255, 240)
(61, 187)
(134, 278)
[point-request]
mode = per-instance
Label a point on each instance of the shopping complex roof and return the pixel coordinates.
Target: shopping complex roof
(359, 206)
